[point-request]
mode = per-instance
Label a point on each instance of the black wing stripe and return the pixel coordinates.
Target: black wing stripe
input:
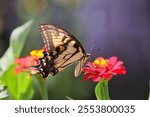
(47, 37)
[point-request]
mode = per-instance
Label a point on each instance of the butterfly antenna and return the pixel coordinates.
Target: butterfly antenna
(94, 50)
(93, 47)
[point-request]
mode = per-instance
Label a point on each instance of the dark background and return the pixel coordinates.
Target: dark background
(120, 28)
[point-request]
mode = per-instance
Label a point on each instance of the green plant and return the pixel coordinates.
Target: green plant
(19, 86)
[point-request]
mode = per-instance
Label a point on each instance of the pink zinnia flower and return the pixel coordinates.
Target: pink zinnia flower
(103, 68)
(24, 63)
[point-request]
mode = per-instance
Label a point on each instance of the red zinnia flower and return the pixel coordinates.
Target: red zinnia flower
(103, 68)
(31, 60)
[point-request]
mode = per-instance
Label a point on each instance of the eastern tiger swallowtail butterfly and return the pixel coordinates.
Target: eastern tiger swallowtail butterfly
(62, 50)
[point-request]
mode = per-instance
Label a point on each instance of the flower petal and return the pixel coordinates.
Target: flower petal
(96, 79)
(107, 76)
(89, 64)
(112, 60)
(122, 70)
(87, 76)
(25, 62)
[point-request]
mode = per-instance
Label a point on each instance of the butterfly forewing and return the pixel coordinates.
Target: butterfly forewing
(53, 36)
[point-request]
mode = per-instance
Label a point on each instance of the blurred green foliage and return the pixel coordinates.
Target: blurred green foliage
(18, 37)
(17, 40)
(19, 86)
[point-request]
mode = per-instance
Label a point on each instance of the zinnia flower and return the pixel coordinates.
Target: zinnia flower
(25, 63)
(103, 68)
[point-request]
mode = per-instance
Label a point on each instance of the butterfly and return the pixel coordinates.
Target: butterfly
(62, 50)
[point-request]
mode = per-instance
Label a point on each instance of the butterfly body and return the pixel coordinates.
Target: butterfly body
(62, 50)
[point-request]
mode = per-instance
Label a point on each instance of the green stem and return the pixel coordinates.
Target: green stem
(69, 98)
(42, 88)
(101, 90)
(106, 90)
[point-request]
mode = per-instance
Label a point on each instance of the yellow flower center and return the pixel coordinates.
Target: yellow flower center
(37, 53)
(101, 62)
(97, 62)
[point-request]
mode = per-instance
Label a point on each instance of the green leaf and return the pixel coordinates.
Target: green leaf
(6, 60)
(19, 86)
(18, 37)
(101, 90)
(17, 40)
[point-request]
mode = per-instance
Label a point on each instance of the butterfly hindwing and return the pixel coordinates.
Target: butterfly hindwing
(67, 58)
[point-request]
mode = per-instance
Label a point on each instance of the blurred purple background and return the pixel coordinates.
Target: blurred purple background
(120, 28)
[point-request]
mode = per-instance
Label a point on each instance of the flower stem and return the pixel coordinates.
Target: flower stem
(101, 90)
(42, 88)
